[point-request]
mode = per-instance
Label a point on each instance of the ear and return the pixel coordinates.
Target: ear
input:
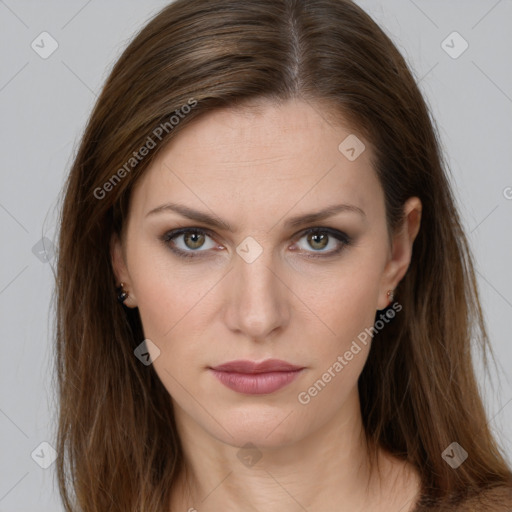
(401, 250)
(121, 270)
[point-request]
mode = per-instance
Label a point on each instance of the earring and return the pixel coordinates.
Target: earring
(390, 296)
(121, 294)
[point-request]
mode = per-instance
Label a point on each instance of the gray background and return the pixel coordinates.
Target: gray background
(45, 103)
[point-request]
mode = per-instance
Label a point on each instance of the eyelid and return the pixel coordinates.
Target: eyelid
(342, 238)
(174, 233)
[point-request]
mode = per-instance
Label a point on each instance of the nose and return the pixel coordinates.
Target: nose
(258, 300)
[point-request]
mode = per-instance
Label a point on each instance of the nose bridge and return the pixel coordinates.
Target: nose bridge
(258, 304)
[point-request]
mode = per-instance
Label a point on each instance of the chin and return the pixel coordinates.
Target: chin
(266, 427)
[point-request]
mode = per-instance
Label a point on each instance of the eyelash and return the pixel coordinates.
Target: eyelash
(343, 239)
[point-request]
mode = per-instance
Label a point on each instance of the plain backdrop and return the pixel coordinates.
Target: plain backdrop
(45, 103)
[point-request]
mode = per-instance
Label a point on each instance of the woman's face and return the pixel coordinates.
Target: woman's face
(256, 286)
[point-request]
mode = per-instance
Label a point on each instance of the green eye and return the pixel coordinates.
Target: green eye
(190, 242)
(320, 238)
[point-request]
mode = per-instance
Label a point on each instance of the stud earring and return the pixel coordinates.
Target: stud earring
(390, 296)
(122, 295)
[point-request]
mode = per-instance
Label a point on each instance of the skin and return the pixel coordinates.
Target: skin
(255, 168)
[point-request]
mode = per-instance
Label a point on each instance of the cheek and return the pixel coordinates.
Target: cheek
(348, 308)
(359, 308)
(170, 308)
(168, 295)
(177, 304)
(345, 301)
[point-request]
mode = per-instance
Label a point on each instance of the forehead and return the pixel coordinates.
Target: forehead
(257, 133)
(263, 158)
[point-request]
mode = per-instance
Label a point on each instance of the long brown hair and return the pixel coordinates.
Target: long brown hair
(118, 447)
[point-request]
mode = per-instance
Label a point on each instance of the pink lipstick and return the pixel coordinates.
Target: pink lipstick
(254, 378)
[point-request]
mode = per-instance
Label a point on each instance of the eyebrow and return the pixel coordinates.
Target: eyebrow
(292, 222)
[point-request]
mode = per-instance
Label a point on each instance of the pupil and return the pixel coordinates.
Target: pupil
(194, 237)
(316, 236)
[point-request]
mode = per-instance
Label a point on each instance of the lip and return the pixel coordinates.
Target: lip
(256, 378)
(246, 366)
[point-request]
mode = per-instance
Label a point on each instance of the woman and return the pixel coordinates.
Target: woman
(265, 296)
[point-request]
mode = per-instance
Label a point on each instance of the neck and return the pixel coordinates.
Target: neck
(328, 470)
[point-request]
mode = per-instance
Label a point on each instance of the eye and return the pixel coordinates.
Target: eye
(190, 241)
(319, 238)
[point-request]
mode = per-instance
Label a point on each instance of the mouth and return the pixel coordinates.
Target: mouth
(253, 378)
